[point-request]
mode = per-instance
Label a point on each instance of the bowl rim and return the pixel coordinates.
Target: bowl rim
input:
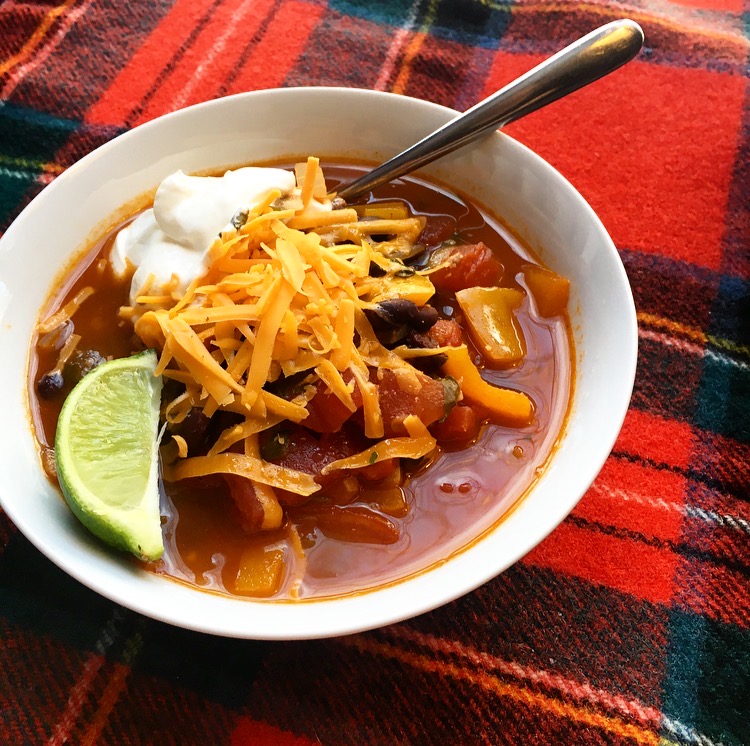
(355, 612)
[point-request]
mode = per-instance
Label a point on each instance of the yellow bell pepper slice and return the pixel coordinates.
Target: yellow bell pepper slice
(493, 328)
(551, 291)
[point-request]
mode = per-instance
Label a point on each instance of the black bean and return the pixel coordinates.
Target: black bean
(289, 387)
(376, 270)
(193, 428)
(421, 341)
(398, 311)
(50, 384)
(201, 432)
(387, 334)
(437, 230)
(426, 319)
(429, 364)
(80, 363)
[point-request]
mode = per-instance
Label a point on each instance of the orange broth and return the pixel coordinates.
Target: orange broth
(439, 507)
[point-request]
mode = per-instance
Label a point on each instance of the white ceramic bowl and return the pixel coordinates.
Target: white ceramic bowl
(529, 195)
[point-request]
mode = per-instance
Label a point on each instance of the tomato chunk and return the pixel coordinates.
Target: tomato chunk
(326, 412)
(397, 403)
(309, 453)
(379, 470)
(459, 428)
(242, 492)
(468, 266)
(446, 333)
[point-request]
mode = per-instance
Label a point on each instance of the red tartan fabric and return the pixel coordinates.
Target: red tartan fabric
(631, 622)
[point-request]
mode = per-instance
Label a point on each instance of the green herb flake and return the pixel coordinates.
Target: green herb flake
(275, 447)
(373, 457)
(451, 393)
(239, 219)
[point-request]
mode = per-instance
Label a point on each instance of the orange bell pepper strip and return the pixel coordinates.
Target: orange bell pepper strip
(506, 406)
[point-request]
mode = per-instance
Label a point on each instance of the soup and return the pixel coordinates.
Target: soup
(452, 279)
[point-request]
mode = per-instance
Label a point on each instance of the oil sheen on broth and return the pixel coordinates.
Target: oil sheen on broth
(439, 508)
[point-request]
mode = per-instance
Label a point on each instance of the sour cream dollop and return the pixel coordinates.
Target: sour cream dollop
(189, 212)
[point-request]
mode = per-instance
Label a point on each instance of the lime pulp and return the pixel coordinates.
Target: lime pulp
(106, 451)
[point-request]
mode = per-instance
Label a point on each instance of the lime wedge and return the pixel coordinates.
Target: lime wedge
(106, 450)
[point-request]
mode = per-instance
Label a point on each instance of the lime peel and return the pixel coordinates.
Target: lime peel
(106, 451)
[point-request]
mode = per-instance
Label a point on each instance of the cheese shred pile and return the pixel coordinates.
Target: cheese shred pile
(284, 294)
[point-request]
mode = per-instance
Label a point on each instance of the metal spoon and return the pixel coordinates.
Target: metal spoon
(586, 60)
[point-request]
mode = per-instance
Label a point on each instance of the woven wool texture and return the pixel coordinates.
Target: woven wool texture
(631, 622)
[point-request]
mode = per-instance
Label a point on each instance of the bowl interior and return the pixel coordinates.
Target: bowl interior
(524, 191)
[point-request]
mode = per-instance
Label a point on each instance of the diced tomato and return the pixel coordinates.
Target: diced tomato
(396, 403)
(439, 228)
(446, 333)
(379, 470)
(468, 266)
(242, 492)
(345, 491)
(327, 413)
(461, 426)
(288, 499)
(309, 453)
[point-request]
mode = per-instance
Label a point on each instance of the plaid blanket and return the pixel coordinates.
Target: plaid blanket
(631, 622)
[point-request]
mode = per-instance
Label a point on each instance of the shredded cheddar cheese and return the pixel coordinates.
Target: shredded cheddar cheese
(418, 444)
(283, 294)
(242, 465)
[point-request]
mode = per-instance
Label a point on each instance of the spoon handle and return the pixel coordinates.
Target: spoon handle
(586, 60)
